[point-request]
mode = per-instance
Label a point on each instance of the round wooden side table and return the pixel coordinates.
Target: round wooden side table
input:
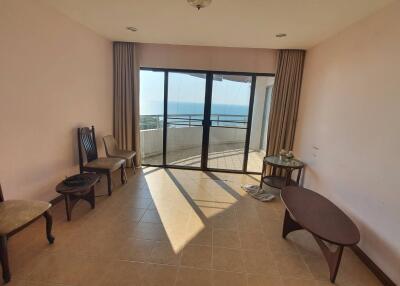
(72, 194)
(283, 163)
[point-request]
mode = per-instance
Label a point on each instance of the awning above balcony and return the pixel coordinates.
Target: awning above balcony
(221, 77)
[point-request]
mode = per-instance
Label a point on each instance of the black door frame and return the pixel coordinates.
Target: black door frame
(207, 122)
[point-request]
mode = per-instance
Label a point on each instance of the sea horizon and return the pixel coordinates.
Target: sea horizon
(157, 108)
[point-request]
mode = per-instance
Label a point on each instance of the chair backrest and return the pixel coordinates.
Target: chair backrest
(110, 144)
(87, 144)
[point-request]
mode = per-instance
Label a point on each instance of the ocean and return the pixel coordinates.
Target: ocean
(157, 108)
(232, 115)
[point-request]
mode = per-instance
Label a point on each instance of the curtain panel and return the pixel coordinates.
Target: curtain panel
(285, 101)
(126, 98)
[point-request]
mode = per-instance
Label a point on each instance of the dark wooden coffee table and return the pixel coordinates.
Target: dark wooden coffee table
(73, 194)
(308, 210)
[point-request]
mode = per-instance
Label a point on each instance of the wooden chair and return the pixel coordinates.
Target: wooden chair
(112, 151)
(15, 215)
(88, 148)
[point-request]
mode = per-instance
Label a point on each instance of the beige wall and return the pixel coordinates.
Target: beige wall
(55, 75)
(349, 130)
(207, 58)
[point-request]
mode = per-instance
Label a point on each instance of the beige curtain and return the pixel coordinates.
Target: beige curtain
(126, 98)
(285, 101)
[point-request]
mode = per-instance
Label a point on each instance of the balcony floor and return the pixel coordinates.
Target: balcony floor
(221, 156)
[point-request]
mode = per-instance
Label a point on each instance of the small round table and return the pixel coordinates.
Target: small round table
(72, 194)
(289, 165)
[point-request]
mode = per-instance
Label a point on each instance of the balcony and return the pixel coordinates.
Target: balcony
(184, 142)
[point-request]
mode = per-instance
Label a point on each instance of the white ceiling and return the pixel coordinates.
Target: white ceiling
(228, 23)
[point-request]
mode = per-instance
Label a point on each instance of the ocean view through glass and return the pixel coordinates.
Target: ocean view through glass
(203, 131)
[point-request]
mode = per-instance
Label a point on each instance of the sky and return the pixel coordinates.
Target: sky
(184, 88)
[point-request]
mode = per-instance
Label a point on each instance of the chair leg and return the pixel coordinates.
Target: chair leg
(109, 183)
(4, 259)
(133, 165)
(123, 175)
(49, 225)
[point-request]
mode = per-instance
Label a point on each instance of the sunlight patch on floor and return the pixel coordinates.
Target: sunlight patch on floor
(183, 204)
(174, 210)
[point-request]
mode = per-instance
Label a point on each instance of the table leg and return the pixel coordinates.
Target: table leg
(298, 177)
(288, 173)
(262, 174)
(49, 225)
(289, 225)
(332, 257)
(90, 197)
(4, 259)
(68, 206)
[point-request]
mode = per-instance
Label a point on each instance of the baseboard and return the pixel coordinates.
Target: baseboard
(56, 200)
(373, 267)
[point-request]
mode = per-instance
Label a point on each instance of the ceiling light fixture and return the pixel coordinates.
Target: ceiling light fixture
(280, 35)
(132, 29)
(199, 3)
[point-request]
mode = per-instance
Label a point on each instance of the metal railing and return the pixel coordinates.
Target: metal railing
(193, 120)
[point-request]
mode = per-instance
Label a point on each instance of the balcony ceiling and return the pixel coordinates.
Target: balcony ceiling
(228, 23)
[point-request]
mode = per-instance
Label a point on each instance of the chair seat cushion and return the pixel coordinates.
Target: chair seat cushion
(128, 155)
(111, 164)
(16, 213)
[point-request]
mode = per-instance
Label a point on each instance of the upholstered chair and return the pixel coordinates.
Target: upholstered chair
(112, 151)
(90, 162)
(15, 215)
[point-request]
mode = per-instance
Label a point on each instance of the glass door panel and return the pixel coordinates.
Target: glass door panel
(259, 124)
(229, 116)
(151, 116)
(185, 115)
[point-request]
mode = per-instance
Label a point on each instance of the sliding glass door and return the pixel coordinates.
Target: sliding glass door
(185, 115)
(151, 116)
(230, 103)
(203, 119)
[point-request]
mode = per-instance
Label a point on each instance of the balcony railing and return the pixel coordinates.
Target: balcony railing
(193, 120)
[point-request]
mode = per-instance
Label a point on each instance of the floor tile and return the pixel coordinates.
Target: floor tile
(299, 282)
(227, 222)
(222, 278)
(259, 262)
(253, 240)
(227, 259)
(152, 231)
(197, 256)
(123, 273)
(193, 277)
(135, 249)
(264, 280)
(278, 245)
(151, 216)
(226, 238)
(202, 237)
(159, 275)
(292, 266)
(163, 253)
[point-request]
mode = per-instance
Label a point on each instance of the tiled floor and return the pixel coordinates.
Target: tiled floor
(175, 228)
(221, 156)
